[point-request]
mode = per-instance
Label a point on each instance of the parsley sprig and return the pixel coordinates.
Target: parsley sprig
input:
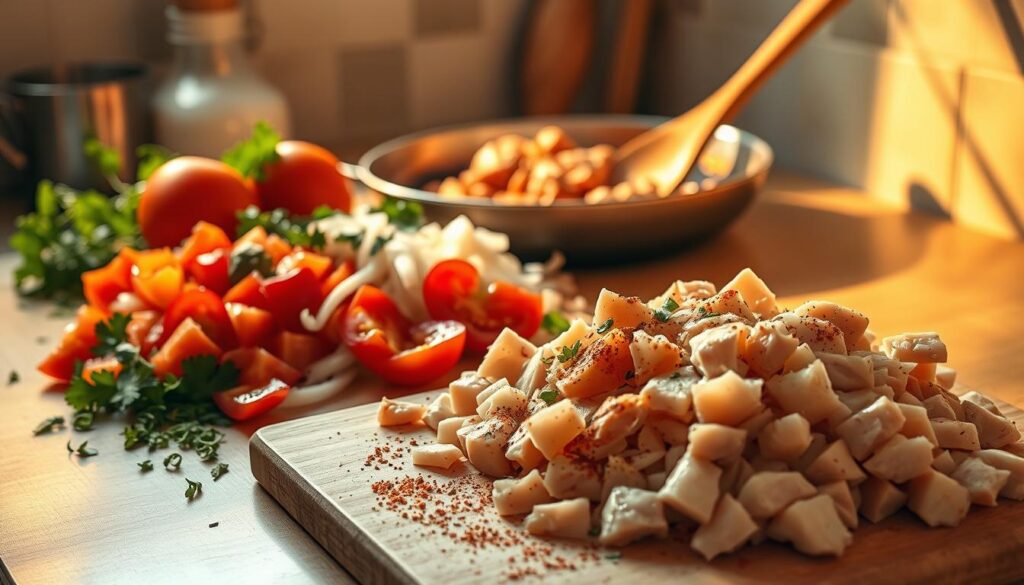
(48, 425)
(664, 313)
(555, 323)
(549, 396)
(251, 156)
(194, 489)
(293, 228)
(568, 353)
(606, 326)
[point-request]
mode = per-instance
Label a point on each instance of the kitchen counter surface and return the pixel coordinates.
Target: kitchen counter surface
(70, 520)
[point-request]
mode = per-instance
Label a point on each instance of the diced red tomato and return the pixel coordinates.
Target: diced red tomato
(332, 331)
(384, 341)
(277, 248)
(75, 345)
(245, 402)
(256, 235)
(211, 271)
(452, 290)
(298, 258)
(157, 277)
(298, 350)
(288, 294)
(188, 340)
(207, 310)
(343, 271)
(103, 364)
(248, 291)
(253, 326)
(139, 328)
(205, 238)
(102, 285)
(258, 366)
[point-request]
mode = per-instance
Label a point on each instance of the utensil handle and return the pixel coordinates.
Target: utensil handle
(783, 41)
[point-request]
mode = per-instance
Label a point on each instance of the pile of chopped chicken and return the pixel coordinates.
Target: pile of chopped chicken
(722, 413)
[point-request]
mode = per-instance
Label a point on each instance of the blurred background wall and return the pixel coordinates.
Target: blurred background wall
(919, 102)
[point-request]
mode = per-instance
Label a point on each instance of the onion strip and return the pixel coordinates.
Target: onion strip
(314, 393)
(365, 275)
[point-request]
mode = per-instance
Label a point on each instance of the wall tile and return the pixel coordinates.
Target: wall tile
(446, 18)
(25, 39)
(328, 24)
(990, 176)
(309, 80)
(373, 93)
(78, 35)
(865, 21)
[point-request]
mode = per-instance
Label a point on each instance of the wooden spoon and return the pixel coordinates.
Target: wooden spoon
(665, 154)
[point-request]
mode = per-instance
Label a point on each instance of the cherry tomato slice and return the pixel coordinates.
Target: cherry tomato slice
(211, 270)
(248, 292)
(452, 290)
(318, 263)
(288, 294)
(245, 402)
(205, 238)
(253, 326)
(299, 350)
(383, 340)
(102, 285)
(258, 367)
(207, 310)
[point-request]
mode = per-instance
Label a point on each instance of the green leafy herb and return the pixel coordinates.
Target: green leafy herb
(106, 160)
(145, 466)
(218, 470)
(83, 450)
(248, 259)
(13, 378)
(172, 462)
(250, 156)
(292, 228)
(606, 326)
(568, 353)
(547, 361)
(549, 396)
(405, 214)
(83, 420)
(703, 313)
(47, 426)
(111, 333)
(665, 312)
(194, 489)
(151, 157)
(554, 323)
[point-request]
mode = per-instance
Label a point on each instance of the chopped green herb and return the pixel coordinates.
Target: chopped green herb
(194, 488)
(13, 378)
(378, 244)
(665, 312)
(218, 470)
(83, 450)
(549, 396)
(606, 326)
(569, 353)
(250, 156)
(706, 315)
(555, 323)
(172, 462)
(547, 361)
(151, 157)
(106, 160)
(111, 333)
(83, 420)
(47, 426)
(145, 466)
(404, 214)
(292, 228)
(247, 259)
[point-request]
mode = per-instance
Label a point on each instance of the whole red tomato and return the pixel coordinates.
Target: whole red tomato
(187, 190)
(304, 177)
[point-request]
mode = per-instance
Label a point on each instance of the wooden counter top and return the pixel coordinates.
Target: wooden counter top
(65, 520)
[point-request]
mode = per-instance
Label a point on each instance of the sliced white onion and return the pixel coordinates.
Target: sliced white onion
(329, 365)
(314, 393)
(365, 275)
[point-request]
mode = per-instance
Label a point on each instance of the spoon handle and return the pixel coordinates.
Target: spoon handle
(794, 29)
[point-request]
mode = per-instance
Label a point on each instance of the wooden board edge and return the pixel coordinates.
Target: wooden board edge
(358, 552)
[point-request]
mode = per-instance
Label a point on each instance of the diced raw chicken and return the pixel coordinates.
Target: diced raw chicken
(870, 427)
(485, 445)
(1014, 488)
(618, 471)
(729, 528)
(522, 451)
(834, 464)
(727, 399)
(506, 401)
(981, 400)
(943, 463)
(439, 410)
(599, 368)
(810, 455)
(735, 476)
(519, 496)
(727, 302)
(673, 454)
(554, 427)
(673, 432)
(915, 347)
(954, 434)
(820, 335)
(807, 392)
(994, 431)
(801, 357)
(672, 394)
(900, 459)
(447, 430)
(910, 399)
(916, 423)
(983, 482)
(622, 310)
(392, 413)
(715, 442)
(813, 526)
(766, 493)
(768, 346)
(653, 356)
(463, 392)
(565, 519)
(938, 499)
(879, 499)
(842, 497)
(755, 293)
(534, 375)
(852, 323)
(938, 408)
(631, 514)
(717, 350)
(692, 488)
(437, 455)
(848, 372)
(619, 417)
(570, 477)
(506, 356)
(858, 399)
(785, 438)
(945, 376)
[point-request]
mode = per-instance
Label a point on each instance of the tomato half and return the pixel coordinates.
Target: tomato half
(304, 176)
(157, 277)
(452, 290)
(384, 341)
(289, 294)
(75, 345)
(258, 366)
(188, 340)
(245, 402)
(102, 285)
(207, 310)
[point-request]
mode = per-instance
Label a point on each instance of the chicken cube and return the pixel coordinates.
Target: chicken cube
(673, 455)
(519, 496)
(842, 497)
(801, 357)
(618, 471)
(1014, 488)
(735, 476)
(618, 417)
(879, 499)
(439, 410)
(625, 312)
(671, 430)
(852, 323)
(954, 434)
(447, 430)
(938, 407)
(755, 293)
(671, 394)
(766, 493)
(983, 482)
(631, 514)
(569, 477)
(554, 427)
(715, 442)
(439, 455)
(819, 335)
(807, 392)
(915, 347)
(994, 430)
(727, 399)
(653, 356)
(522, 451)
(505, 401)
(848, 372)
(535, 373)
(858, 400)
(598, 368)
(393, 413)
(943, 463)
(506, 356)
(937, 499)
(485, 444)
(834, 464)
(945, 376)
(871, 427)
(916, 423)
(729, 528)
(717, 350)
(900, 459)
(813, 526)
(768, 346)
(785, 438)
(565, 519)
(692, 488)
(463, 392)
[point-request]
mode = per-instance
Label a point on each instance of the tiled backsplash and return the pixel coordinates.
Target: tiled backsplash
(919, 102)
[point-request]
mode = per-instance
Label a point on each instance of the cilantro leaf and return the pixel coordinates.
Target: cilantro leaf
(172, 462)
(151, 157)
(569, 353)
(111, 333)
(194, 489)
(248, 259)
(549, 396)
(292, 228)
(402, 213)
(250, 156)
(606, 326)
(665, 312)
(218, 470)
(13, 378)
(554, 323)
(47, 426)
(83, 420)
(145, 466)
(83, 450)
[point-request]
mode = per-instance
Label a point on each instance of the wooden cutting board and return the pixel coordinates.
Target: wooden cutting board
(324, 470)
